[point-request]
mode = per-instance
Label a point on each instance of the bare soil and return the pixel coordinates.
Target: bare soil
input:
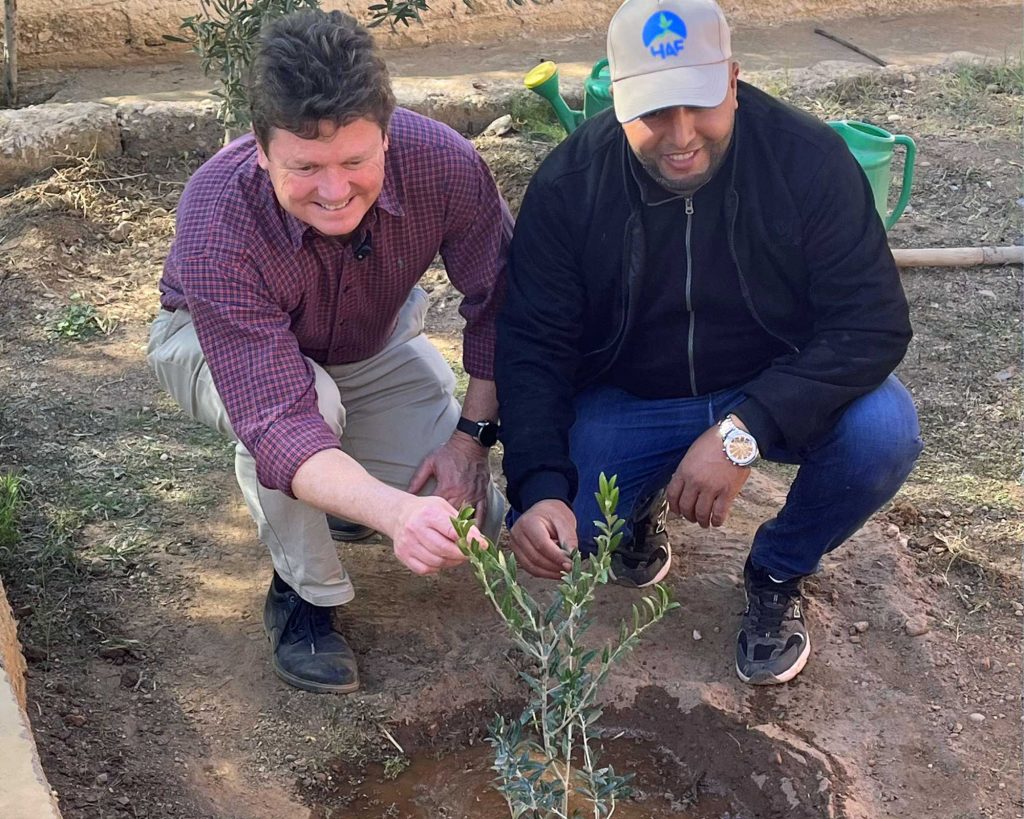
(139, 583)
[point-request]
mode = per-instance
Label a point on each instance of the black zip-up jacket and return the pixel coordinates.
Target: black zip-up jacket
(814, 267)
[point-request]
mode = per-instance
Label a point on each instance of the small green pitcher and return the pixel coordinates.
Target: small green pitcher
(872, 147)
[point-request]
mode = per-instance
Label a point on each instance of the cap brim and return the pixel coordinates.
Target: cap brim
(704, 86)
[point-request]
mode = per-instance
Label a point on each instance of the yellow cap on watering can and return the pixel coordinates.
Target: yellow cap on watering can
(872, 147)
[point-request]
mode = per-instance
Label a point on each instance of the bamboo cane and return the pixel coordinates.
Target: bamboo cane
(958, 256)
(11, 52)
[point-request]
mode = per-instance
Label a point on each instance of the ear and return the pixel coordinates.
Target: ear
(386, 143)
(261, 156)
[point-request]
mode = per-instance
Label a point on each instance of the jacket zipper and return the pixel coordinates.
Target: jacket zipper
(689, 300)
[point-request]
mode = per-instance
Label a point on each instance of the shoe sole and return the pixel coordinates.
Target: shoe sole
(662, 573)
(346, 537)
(786, 676)
(314, 687)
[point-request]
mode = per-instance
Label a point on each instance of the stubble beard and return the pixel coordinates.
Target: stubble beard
(689, 186)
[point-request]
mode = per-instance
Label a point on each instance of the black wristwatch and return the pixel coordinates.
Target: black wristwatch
(484, 432)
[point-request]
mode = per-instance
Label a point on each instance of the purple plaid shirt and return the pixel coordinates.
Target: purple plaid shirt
(265, 289)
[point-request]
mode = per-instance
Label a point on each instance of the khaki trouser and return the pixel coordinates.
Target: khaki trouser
(399, 406)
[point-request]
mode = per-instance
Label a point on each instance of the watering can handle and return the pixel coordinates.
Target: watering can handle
(908, 179)
(599, 66)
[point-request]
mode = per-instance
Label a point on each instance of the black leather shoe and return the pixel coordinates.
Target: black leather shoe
(309, 652)
(346, 531)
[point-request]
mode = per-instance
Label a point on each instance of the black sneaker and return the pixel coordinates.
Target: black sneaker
(647, 559)
(773, 645)
(346, 531)
(309, 652)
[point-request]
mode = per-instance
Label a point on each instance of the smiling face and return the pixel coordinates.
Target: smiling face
(329, 182)
(682, 147)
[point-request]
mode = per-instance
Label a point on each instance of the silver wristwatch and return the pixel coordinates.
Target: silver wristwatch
(739, 446)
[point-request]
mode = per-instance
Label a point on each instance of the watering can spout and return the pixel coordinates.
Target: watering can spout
(542, 79)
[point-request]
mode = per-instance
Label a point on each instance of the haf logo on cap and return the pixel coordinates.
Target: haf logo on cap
(664, 34)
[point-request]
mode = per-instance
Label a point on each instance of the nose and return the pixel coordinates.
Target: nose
(681, 126)
(334, 184)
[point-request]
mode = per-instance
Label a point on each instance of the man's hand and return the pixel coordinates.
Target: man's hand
(423, 535)
(462, 473)
(706, 482)
(536, 537)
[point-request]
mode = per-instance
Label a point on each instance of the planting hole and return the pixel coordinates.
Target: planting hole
(697, 764)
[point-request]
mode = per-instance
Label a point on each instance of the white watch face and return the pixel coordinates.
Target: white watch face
(740, 447)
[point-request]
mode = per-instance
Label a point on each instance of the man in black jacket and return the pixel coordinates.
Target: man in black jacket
(696, 281)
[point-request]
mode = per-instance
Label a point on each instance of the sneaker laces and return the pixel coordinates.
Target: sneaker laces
(767, 608)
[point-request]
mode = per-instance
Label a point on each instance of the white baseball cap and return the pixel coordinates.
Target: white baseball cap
(663, 53)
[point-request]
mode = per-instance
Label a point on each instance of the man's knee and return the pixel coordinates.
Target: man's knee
(880, 432)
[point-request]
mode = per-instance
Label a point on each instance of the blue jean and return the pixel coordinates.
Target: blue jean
(843, 479)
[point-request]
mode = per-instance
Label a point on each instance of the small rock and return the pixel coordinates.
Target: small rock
(976, 718)
(500, 126)
(917, 626)
(697, 635)
(855, 639)
(75, 720)
(121, 232)
(988, 294)
(861, 626)
(101, 779)
(130, 677)
(892, 530)
(985, 664)
(957, 727)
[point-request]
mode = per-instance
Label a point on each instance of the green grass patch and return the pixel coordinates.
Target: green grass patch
(10, 499)
(535, 118)
(79, 320)
(1006, 77)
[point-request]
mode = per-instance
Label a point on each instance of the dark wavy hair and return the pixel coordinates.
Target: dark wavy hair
(312, 66)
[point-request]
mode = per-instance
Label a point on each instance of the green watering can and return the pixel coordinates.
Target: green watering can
(872, 147)
(597, 92)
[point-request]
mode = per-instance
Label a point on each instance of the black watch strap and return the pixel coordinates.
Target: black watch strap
(484, 432)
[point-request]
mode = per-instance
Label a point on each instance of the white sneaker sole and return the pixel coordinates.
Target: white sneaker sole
(661, 575)
(786, 676)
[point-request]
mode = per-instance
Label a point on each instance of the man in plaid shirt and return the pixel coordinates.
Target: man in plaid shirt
(291, 321)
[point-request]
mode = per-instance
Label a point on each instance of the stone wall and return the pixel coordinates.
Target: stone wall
(11, 659)
(59, 33)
